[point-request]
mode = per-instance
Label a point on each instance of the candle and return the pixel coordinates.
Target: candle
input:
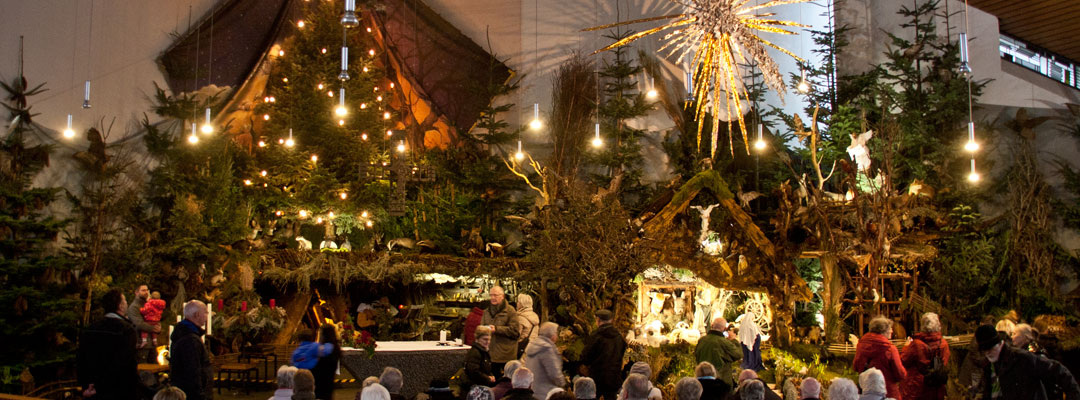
(273, 303)
(220, 304)
(209, 319)
(243, 306)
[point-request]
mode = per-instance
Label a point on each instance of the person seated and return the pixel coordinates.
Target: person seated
(521, 384)
(438, 389)
(711, 388)
(479, 393)
(502, 385)
(810, 389)
(284, 383)
(392, 380)
(688, 389)
(478, 362)
(303, 385)
(371, 380)
(584, 388)
(170, 393)
(560, 395)
(843, 389)
(636, 387)
(645, 370)
(750, 375)
(872, 383)
(751, 389)
(374, 391)
(552, 392)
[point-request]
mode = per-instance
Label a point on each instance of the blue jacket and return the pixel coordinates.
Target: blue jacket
(308, 353)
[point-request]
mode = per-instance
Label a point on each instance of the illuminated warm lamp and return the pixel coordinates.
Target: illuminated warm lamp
(365, 69)
(401, 146)
(262, 143)
(368, 224)
(329, 93)
(364, 214)
(760, 142)
(278, 213)
(69, 133)
(971, 146)
(266, 99)
(597, 141)
(280, 141)
(314, 158)
(344, 195)
(519, 155)
(389, 132)
(378, 98)
(266, 117)
(273, 99)
(193, 138)
(363, 136)
(247, 182)
(302, 213)
(286, 80)
(804, 85)
(300, 24)
(371, 52)
(330, 215)
(973, 177)
(318, 220)
(341, 122)
(263, 172)
(281, 53)
(651, 94)
(323, 50)
(386, 115)
(536, 124)
(369, 29)
(341, 111)
(363, 106)
(320, 86)
(207, 128)
(391, 85)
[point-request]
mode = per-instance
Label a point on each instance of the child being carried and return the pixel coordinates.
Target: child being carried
(151, 313)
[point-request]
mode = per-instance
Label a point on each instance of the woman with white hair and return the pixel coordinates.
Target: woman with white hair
(688, 389)
(284, 383)
(375, 392)
(925, 358)
(528, 322)
(872, 383)
(750, 338)
(543, 359)
(843, 389)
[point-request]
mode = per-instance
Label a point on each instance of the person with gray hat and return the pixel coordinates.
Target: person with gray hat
(1014, 374)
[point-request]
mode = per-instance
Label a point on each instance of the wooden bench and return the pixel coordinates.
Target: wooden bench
(233, 369)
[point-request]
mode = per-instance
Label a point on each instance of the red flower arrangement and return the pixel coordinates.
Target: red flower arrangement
(358, 339)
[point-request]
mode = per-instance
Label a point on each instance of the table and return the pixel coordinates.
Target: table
(419, 362)
(153, 368)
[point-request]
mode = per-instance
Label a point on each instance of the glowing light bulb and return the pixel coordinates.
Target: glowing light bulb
(365, 69)
(974, 177)
(378, 98)
(344, 195)
(364, 214)
(69, 133)
(386, 115)
(368, 224)
(519, 155)
(280, 141)
(281, 53)
(971, 146)
(536, 124)
(363, 136)
(286, 80)
(193, 138)
(804, 85)
(273, 99)
(314, 158)
(651, 94)
(323, 50)
(401, 147)
(266, 117)
(341, 122)
(371, 52)
(330, 215)
(247, 182)
(597, 141)
(329, 93)
(389, 132)
(300, 24)
(318, 220)
(320, 86)
(278, 213)
(289, 142)
(369, 29)
(207, 127)
(262, 143)
(363, 106)
(302, 213)
(263, 172)
(760, 143)
(391, 85)
(341, 111)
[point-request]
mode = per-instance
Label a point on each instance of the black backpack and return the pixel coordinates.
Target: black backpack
(936, 374)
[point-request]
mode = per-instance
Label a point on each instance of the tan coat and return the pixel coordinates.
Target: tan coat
(504, 341)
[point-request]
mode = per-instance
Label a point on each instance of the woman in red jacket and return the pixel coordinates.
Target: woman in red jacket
(918, 358)
(875, 350)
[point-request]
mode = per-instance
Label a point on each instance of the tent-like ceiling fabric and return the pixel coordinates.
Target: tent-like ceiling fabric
(440, 70)
(226, 45)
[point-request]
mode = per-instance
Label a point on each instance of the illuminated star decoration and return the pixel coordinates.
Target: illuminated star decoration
(720, 34)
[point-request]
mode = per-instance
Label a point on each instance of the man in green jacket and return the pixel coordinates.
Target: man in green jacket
(719, 351)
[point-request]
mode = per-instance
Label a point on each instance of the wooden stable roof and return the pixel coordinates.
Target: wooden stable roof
(1050, 24)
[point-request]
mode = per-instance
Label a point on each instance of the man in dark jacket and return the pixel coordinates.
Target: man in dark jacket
(188, 359)
(718, 350)
(106, 362)
(1014, 374)
(145, 353)
(603, 356)
(502, 319)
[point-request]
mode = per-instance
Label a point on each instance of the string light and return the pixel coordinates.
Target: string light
(597, 141)
(368, 224)
(69, 133)
(364, 214)
(378, 98)
(193, 138)
(519, 155)
(286, 80)
(971, 146)
(247, 182)
(371, 52)
(536, 124)
(323, 50)
(329, 93)
(344, 195)
(363, 106)
(266, 117)
(278, 213)
(318, 220)
(281, 53)
(302, 213)
(207, 128)
(330, 214)
(804, 85)
(262, 143)
(341, 122)
(386, 115)
(273, 99)
(974, 175)
(263, 172)
(320, 86)
(314, 158)
(300, 24)
(401, 146)
(760, 143)
(389, 132)
(363, 136)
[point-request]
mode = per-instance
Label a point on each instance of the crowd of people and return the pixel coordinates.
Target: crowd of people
(514, 356)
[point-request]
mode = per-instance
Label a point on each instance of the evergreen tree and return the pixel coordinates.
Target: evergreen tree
(40, 313)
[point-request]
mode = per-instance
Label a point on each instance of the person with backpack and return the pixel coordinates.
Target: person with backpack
(925, 357)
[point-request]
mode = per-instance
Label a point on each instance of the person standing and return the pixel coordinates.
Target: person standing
(750, 338)
(528, 321)
(602, 356)
(925, 381)
(478, 362)
(106, 364)
(543, 358)
(1015, 374)
(875, 350)
(327, 367)
(718, 350)
(189, 361)
(501, 318)
(146, 353)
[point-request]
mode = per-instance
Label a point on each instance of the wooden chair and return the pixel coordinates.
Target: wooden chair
(233, 369)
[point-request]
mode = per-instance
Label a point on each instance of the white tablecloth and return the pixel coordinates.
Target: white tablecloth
(414, 346)
(419, 362)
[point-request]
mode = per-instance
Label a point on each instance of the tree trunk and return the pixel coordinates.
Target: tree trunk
(832, 295)
(295, 309)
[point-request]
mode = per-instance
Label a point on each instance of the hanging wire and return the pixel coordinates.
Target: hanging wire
(89, 58)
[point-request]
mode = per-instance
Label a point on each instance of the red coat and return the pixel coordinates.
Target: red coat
(471, 322)
(917, 357)
(875, 350)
